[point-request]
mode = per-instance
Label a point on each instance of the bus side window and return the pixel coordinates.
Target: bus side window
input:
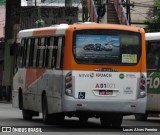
(59, 52)
(35, 52)
(28, 45)
(38, 53)
(41, 48)
(55, 47)
(49, 52)
(153, 61)
(31, 52)
(45, 54)
(19, 55)
(22, 51)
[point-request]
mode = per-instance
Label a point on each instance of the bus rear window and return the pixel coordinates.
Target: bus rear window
(107, 47)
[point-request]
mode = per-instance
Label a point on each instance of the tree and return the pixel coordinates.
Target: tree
(153, 22)
(2, 2)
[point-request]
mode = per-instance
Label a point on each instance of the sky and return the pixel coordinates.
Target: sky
(2, 20)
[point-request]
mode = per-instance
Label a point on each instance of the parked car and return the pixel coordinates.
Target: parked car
(98, 47)
(89, 47)
(108, 47)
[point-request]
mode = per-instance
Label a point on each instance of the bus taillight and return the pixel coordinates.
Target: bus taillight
(68, 84)
(68, 79)
(142, 86)
(143, 81)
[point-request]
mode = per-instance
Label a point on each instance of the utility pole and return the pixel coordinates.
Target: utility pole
(11, 20)
(35, 3)
(68, 3)
(128, 4)
(39, 22)
(8, 63)
(84, 10)
(128, 11)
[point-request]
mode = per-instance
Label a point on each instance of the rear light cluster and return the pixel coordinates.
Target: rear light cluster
(68, 85)
(142, 86)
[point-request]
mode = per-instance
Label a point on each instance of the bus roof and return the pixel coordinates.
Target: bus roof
(107, 26)
(61, 28)
(152, 36)
(45, 31)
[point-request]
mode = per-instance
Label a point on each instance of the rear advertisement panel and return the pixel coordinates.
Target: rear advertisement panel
(105, 85)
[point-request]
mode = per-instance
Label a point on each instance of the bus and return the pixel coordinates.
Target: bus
(153, 76)
(57, 76)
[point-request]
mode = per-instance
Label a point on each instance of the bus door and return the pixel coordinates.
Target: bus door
(153, 75)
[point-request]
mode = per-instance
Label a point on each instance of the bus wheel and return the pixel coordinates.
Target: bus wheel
(141, 117)
(27, 115)
(117, 121)
(20, 100)
(45, 115)
(105, 120)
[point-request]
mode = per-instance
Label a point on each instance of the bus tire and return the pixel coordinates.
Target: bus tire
(46, 117)
(27, 114)
(141, 117)
(20, 97)
(117, 121)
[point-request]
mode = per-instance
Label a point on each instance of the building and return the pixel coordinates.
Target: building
(50, 11)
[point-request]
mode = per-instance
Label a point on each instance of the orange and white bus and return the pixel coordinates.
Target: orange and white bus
(81, 70)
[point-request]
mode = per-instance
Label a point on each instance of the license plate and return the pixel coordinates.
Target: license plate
(105, 92)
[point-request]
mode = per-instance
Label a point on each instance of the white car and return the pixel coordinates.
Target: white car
(108, 47)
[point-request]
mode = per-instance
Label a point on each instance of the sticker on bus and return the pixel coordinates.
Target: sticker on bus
(81, 95)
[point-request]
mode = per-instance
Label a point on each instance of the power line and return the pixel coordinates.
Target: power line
(46, 4)
(145, 5)
(144, 2)
(139, 13)
(43, 5)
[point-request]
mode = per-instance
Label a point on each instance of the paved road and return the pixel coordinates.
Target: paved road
(12, 117)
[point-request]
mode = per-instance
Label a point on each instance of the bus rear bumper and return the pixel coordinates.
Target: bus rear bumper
(116, 106)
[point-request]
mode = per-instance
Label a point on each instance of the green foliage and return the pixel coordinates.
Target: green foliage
(2, 2)
(153, 23)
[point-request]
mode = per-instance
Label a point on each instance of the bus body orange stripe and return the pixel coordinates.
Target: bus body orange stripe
(42, 32)
(32, 75)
